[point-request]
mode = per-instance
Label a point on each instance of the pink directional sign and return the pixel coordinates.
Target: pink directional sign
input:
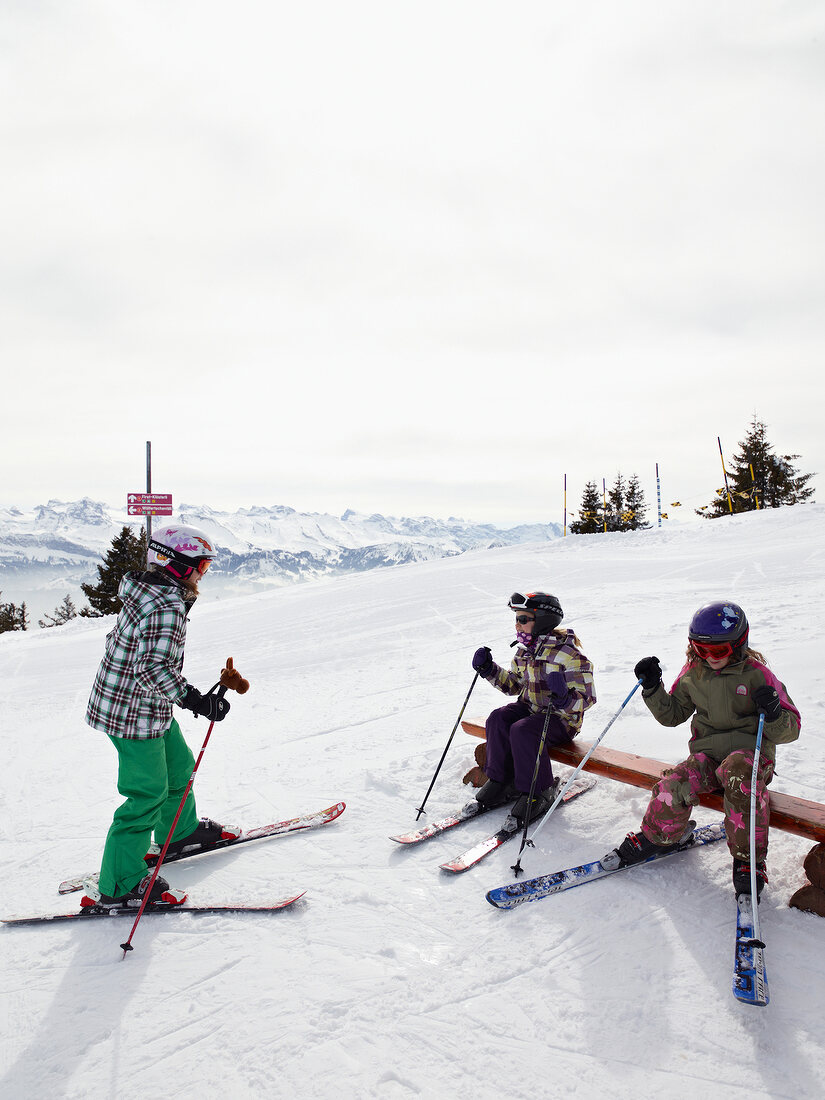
(149, 504)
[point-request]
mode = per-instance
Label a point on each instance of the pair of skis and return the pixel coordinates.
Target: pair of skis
(263, 832)
(750, 979)
(492, 843)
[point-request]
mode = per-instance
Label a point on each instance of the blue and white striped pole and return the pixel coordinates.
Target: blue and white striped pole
(587, 756)
(752, 837)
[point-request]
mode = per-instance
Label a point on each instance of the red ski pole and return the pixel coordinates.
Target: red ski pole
(127, 946)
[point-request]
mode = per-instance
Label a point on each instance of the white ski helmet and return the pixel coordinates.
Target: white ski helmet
(181, 551)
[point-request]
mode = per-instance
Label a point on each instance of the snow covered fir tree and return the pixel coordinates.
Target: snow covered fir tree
(63, 613)
(128, 551)
(622, 508)
(13, 617)
(758, 478)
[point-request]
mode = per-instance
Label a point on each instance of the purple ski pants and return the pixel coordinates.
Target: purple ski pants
(679, 788)
(513, 739)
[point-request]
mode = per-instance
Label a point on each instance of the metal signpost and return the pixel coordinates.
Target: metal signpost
(149, 504)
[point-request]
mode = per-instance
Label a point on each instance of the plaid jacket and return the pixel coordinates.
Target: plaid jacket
(140, 675)
(528, 674)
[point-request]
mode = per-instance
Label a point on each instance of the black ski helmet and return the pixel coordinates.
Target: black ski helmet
(718, 623)
(547, 609)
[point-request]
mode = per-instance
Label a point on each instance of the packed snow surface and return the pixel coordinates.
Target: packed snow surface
(392, 979)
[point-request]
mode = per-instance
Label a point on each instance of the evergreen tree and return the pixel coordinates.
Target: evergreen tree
(62, 614)
(635, 514)
(6, 617)
(13, 617)
(127, 552)
(775, 481)
(591, 512)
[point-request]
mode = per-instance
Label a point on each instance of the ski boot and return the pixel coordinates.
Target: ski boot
(495, 793)
(162, 894)
(539, 805)
(742, 877)
(636, 848)
(206, 835)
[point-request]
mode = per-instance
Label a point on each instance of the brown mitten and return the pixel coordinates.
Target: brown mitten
(232, 679)
(810, 899)
(477, 777)
(815, 865)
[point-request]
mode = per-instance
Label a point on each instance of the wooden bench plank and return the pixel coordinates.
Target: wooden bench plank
(788, 813)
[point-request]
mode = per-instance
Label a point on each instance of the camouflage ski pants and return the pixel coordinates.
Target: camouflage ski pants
(679, 788)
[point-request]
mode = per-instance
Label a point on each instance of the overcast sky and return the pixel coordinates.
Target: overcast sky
(407, 257)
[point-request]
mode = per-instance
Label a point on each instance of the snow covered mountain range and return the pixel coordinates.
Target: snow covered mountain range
(53, 548)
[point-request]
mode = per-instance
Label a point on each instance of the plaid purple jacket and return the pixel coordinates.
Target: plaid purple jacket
(140, 676)
(528, 672)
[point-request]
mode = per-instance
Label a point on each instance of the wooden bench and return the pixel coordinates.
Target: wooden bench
(788, 813)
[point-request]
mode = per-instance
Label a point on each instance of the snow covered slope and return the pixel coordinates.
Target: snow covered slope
(391, 979)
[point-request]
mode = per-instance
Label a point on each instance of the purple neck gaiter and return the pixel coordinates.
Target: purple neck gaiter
(527, 640)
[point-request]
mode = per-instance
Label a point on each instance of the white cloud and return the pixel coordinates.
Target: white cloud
(301, 237)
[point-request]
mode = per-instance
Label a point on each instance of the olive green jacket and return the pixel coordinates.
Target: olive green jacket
(724, 716)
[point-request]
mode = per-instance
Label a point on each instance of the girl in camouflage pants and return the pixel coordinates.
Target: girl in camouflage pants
(722, 688)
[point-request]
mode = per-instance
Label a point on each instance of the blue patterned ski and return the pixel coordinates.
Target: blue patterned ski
(750, 979)
(517, 893)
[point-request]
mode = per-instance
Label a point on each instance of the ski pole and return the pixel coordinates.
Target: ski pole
(446, 749)
(517, 867)
(752, 832)
(586, 757)
(127, 946)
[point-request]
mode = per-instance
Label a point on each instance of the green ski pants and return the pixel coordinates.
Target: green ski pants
(152, 776)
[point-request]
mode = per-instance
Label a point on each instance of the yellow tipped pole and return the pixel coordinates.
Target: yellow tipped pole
(604, 505)
(754, 491)
(725, 472)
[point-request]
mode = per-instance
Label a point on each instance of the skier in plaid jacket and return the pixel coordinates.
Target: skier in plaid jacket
(554, 682)
(139, 680)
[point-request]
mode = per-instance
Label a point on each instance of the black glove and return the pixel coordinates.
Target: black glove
(213, 707)
(649, 671)
(767, 698)
(483, 660)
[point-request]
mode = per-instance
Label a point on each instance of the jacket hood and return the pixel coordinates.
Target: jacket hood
(149, 588)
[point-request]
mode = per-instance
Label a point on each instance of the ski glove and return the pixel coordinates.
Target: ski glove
(649, 671)
(213, 707)
(767, 698)
(557, 686)
(483, 660)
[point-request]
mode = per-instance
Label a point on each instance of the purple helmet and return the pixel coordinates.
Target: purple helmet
(720, 624)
